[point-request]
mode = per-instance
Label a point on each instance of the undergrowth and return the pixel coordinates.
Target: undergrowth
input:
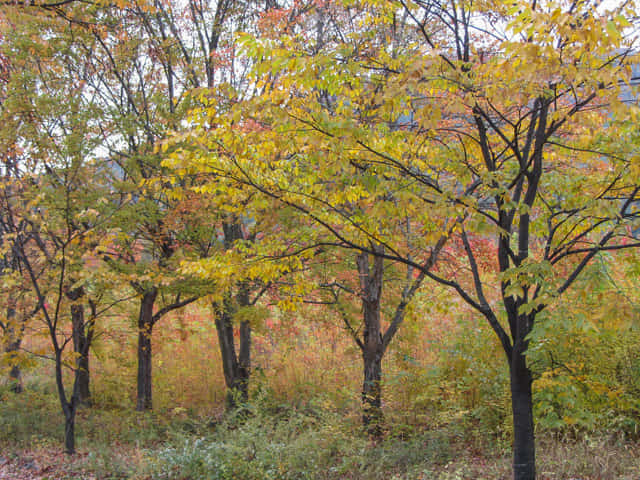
(272, 440)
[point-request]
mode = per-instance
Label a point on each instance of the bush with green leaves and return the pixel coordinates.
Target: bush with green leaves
(588, 376)
(296, 444)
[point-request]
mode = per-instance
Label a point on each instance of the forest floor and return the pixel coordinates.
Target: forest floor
(50, 463)
(39, 465)
(584, 460)
(276, 441)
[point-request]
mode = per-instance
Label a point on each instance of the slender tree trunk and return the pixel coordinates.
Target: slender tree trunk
(145, 329)
(371, 277)
(11, 347)
(70, 432)
(81, 346)
(524, 458)
(15, 377)
(244, 362)
(224, 327)
(68, 407)
(15, 374)
(372, 416)
(244, 357)
(236, 367)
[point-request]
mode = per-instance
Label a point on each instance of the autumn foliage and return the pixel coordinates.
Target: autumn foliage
(421, 217)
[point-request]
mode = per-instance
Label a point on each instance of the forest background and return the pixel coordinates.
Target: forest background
(253, 240)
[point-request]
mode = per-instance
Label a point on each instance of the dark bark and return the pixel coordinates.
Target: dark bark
(524, 464)
(70, 432)
(81, 344)
(82, 335)
(236, 366)
(244, 362)
(69, 407)
(521, 380)
(15, 379)
(372, 346)
(224, 327)
(244, 357)
(11, 347)
(374, 343)
(146, 321)
(145, 329)
(372, 416)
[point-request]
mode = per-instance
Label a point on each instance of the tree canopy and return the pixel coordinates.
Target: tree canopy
(228, 152)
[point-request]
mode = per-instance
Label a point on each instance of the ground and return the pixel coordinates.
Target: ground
(38, 466)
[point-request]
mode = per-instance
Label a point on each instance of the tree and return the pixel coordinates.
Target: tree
(237, 280)
(491, 115)
(55, 199)
(49, 258)
(139, 90)
(138, 61)
(17, 298)
(203, 56)
(248, 147)
(18, 304)
(13, 324)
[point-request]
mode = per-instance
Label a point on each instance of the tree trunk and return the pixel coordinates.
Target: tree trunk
(524, 459)
(15, 374)
(244, 358)
(70, 432)
(237, 368)
(372, 346)
(224, 328)
(11, 347)
(68, 407)
(244, 362)
(145, 328)
(15, 377)
(81, 346)
(372, 417)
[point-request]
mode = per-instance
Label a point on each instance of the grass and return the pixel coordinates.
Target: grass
(272, 440)
(446, 402)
